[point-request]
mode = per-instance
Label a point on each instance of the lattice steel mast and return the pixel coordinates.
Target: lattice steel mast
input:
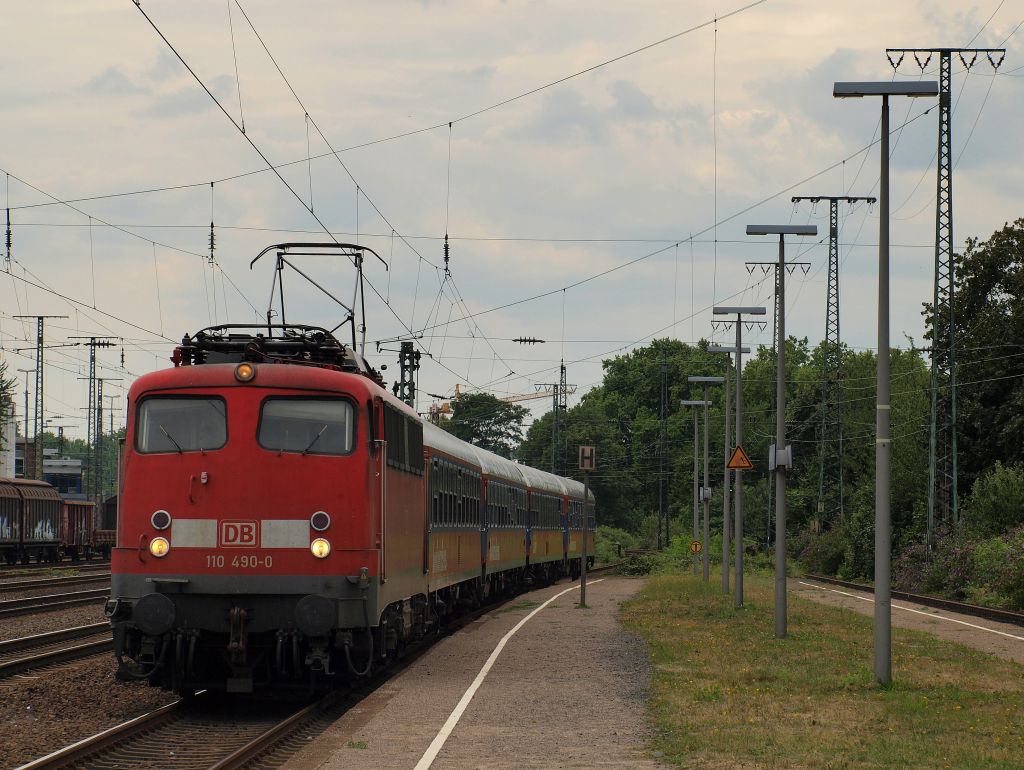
(830, 440)
(40, 419)
(943, 492)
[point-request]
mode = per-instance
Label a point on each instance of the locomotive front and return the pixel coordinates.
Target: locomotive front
(246, 539)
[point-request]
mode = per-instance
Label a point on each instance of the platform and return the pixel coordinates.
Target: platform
(567, 689)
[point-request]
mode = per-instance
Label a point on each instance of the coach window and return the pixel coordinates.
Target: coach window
(318, 426)
(181, 424)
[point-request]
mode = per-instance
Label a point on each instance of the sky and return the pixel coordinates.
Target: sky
(602, 162)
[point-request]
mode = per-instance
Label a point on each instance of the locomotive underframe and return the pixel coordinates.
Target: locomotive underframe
(243, 634)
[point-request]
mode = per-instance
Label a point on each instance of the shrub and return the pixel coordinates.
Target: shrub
(996, 502)
(824, 553)
(607, 540)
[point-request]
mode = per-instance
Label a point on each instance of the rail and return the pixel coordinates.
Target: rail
(975, 610)
(33, 604)
(73, 580)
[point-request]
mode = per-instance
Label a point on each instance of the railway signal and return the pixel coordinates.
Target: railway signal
(588, 462)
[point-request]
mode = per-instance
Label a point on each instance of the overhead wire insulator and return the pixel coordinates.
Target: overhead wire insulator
(447, 254)
(213, 238)
(7, 256)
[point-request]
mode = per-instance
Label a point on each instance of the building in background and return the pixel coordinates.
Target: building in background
(64, 473)
(8, 433)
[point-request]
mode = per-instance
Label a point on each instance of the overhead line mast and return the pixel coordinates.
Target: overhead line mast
(943, 492)
(830, 440)
(37, 461)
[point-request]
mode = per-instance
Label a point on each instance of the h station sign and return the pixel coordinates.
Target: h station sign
(588, 458)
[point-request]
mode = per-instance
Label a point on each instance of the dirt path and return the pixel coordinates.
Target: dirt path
(1001, 639)
(568, 690)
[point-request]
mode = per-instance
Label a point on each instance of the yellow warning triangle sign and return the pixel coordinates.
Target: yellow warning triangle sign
(739, 460)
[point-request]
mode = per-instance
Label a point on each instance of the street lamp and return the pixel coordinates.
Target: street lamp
(739, 312)
(726, 488)
(705, 495)
(696, 522)
(883, 445)
(782, 457)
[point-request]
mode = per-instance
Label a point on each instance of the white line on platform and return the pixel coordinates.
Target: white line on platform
(918, 612)
(439, 740)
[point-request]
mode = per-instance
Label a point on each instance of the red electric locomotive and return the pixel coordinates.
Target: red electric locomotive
(285, 520)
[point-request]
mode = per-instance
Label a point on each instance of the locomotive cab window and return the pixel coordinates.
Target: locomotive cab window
(181, 424)
(321, 426)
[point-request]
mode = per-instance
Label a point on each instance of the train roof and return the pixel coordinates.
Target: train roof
(438, 438)
(29, 489)
(495, 465)
(544, 481)
(489, 463)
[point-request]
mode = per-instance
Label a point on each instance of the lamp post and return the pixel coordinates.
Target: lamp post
(696, 515)
(782, 456)
(739, 312)
(706, 488)
(727, 474)
(883, 445)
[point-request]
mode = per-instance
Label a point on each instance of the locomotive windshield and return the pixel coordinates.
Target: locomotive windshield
(181, 424)
(307, 425)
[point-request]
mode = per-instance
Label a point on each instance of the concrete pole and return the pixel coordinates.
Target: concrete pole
(738, 528)
(883, 446)
(705, 552)
(725, 496)
(696, 520)
(780, 445)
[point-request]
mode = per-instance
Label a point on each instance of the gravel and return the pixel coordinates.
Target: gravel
(45, 710)
(54, 620)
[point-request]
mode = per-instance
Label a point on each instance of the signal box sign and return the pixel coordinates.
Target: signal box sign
(739, 460)
(588, 458)
(239, 534)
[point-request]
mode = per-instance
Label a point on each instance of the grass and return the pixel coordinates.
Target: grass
(526, 604)
(726, 693)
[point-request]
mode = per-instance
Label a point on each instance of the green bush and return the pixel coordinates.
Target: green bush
(642, 564)
(607, 541)
(996, 502)
(823, 553)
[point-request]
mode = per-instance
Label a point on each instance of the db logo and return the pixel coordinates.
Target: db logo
(239, 534)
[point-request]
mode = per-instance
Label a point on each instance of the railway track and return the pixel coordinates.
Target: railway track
(73, 580)
(31, 652)
(32, 604)
(989, 613)
(9, 570)
(209, 733)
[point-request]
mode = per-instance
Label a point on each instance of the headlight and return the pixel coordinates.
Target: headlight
(320, 548)
(320, 521)
(160, 520)
(159, 546)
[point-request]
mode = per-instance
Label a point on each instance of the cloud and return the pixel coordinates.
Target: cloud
(631, 102)
(114, 82)
(564, 118)
(189, 99)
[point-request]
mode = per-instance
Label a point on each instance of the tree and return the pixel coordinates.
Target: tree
(487, 422)
(989, 311)
(6, 396)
